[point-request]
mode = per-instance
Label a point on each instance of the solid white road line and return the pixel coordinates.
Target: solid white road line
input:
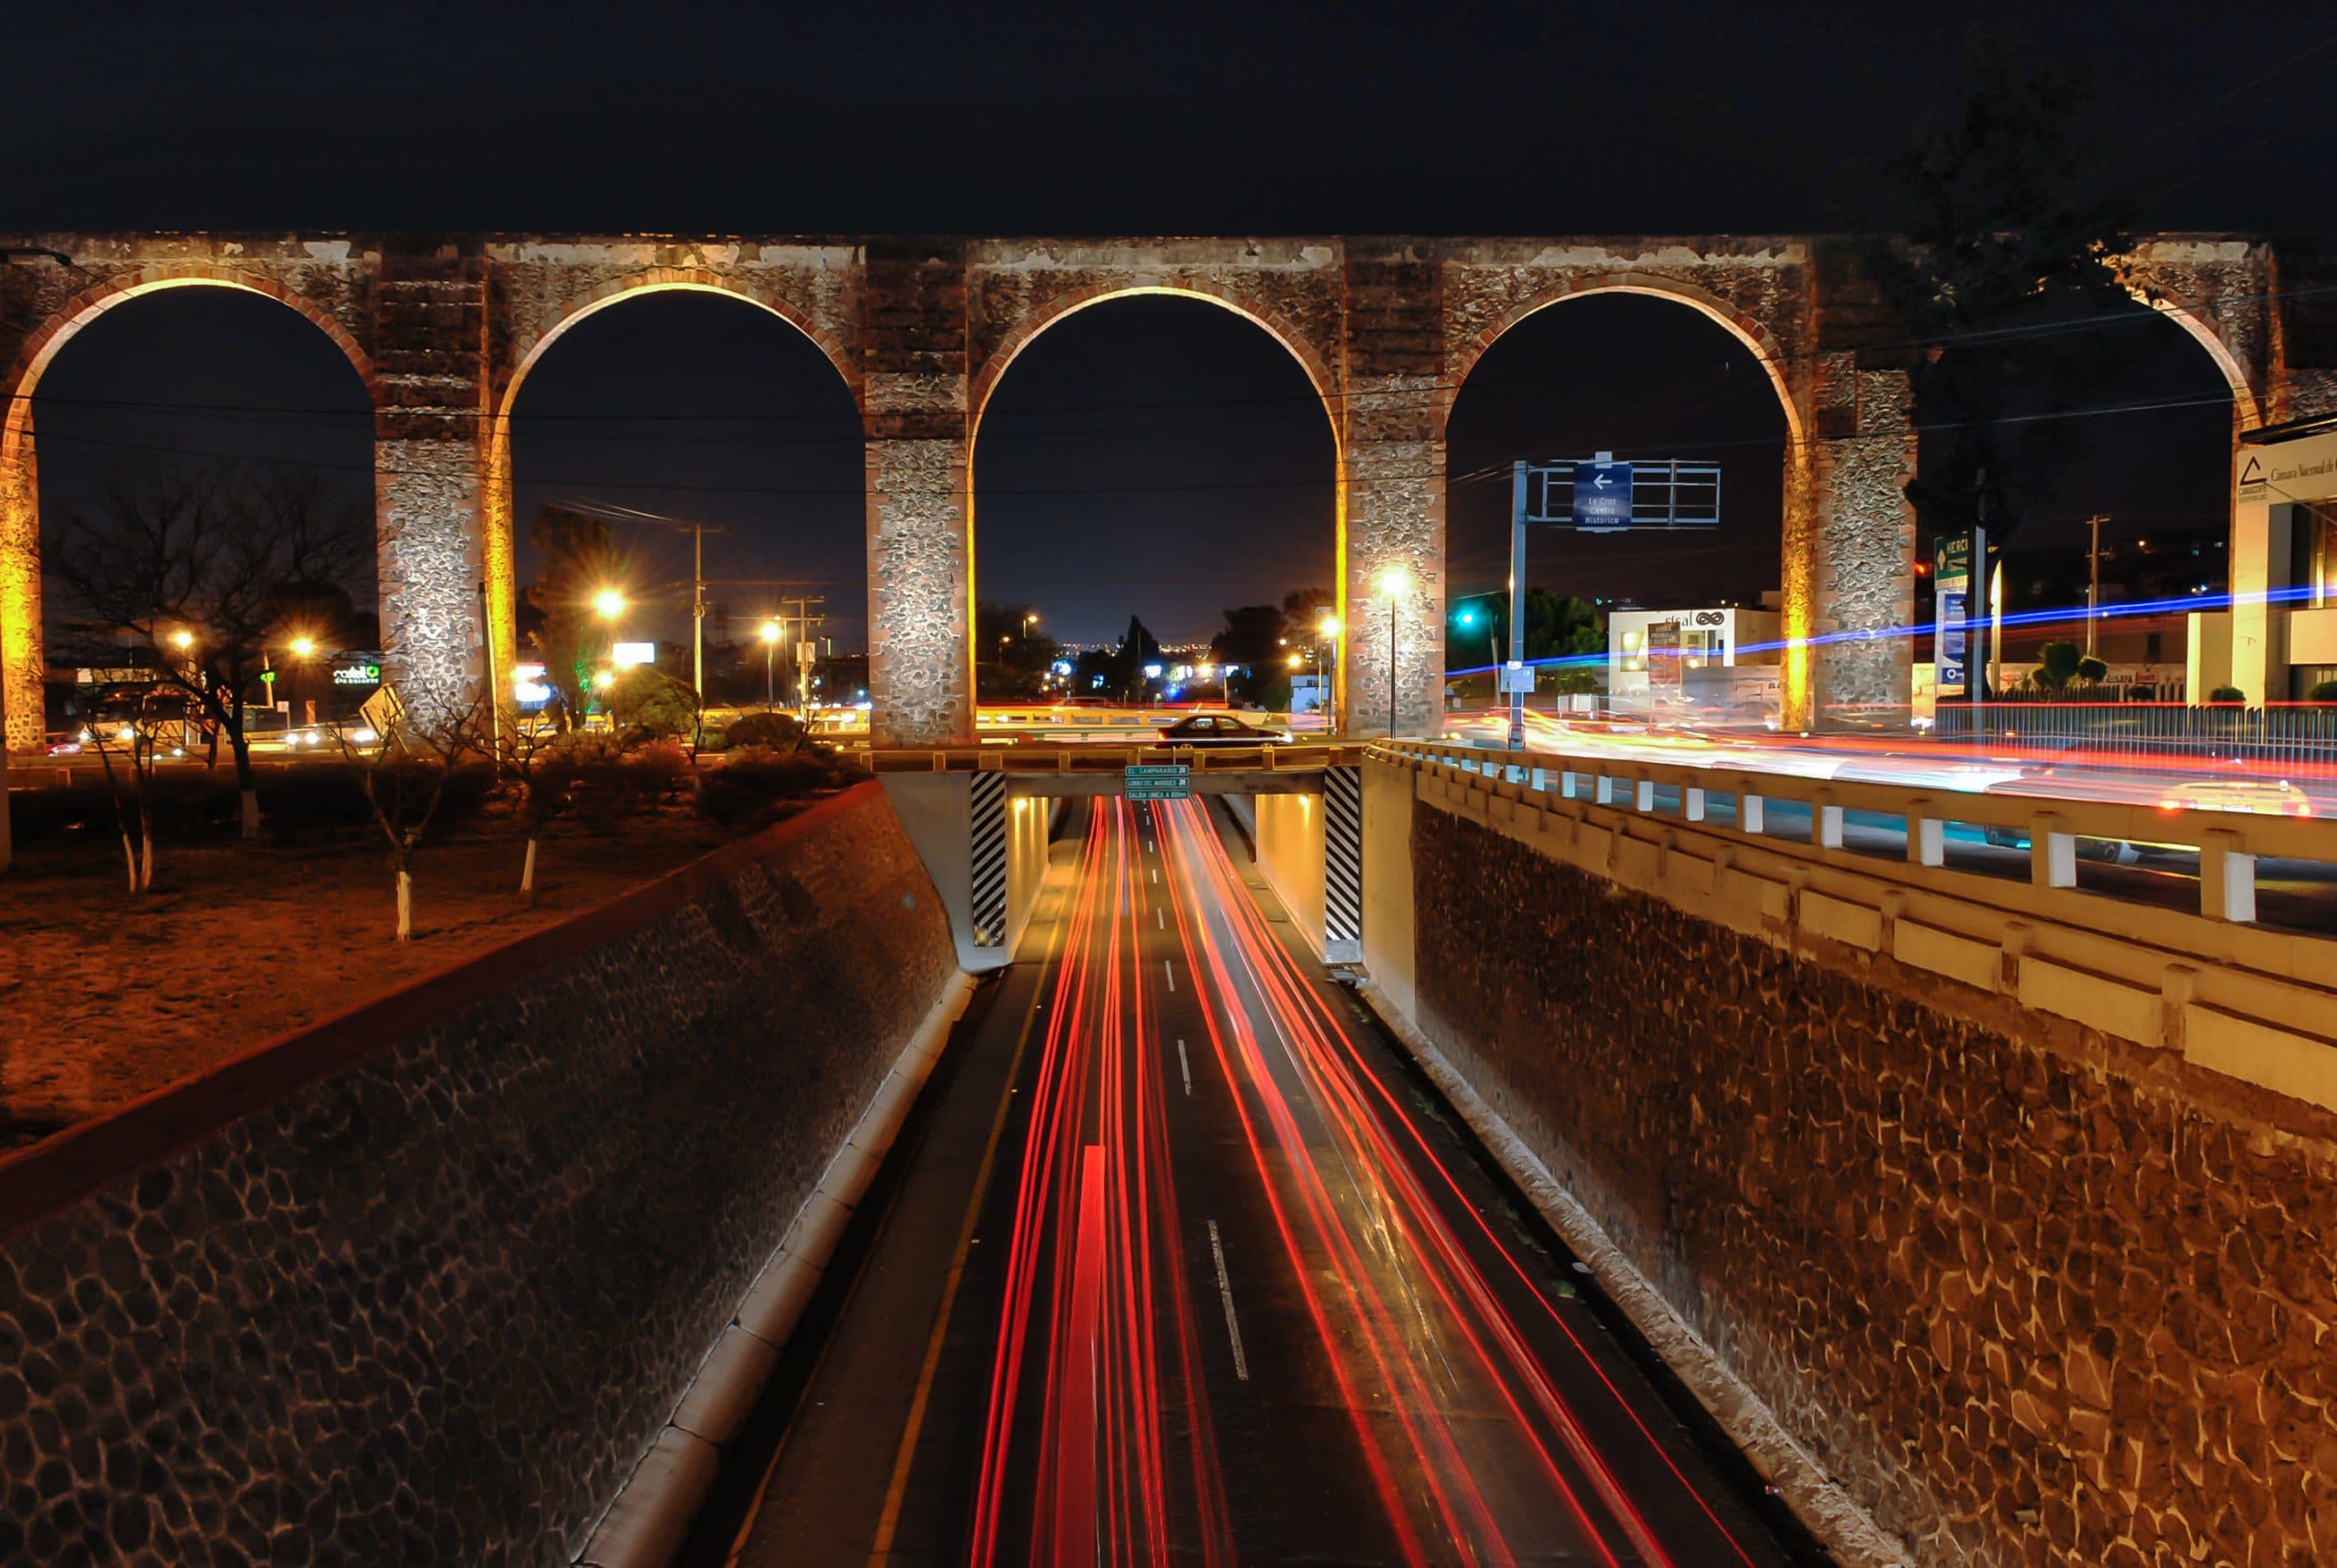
(1225, 1294)
(1184, 1067)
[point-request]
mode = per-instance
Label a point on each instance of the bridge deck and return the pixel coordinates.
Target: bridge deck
(1111, 757)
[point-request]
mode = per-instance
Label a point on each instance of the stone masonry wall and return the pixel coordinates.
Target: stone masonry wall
(431, 1306)
(2030, 1300)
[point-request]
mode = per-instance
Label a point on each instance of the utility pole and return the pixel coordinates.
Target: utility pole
(2092, 580)
(1516, 607)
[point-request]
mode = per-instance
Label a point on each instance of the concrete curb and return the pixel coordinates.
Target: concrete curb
(645, 1525)
(1821, 1505)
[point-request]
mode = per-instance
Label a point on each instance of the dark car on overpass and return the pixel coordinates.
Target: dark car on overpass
(1220, 729)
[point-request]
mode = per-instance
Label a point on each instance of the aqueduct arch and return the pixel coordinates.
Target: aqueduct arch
(1062, 308)
(444, 328)
(498, 525)
(21, 597)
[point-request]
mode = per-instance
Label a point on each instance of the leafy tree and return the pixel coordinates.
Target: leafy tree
(2093, 671)
(2058, 664)
(2000, 241)
(197, 565)
(647, 703)
(1014, 653)
(580, 557)
(1253, 637)
(1557, 626)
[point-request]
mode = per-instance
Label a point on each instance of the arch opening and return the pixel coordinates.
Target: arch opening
(197, 380)
(2086, 408)
(1623, 369)
(697, 406)
(1155, 484)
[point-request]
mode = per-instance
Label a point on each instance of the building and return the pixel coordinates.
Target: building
(2278, 638)
(1660, 657)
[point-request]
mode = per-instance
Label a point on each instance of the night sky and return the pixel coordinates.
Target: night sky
(1153, 456)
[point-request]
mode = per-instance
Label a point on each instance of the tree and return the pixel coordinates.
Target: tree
(1255, 638)
(579, 558)
(127, 747)
(197, 565)
(646, 704)
(2058, 665)
(1015, 654)
(1557, 626)
(1999, 242)
(544, 763)
(405, 770)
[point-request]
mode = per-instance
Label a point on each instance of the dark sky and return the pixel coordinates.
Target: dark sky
(1155, 456)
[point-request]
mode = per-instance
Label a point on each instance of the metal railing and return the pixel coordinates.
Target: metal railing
(2228, 842)
(2285, 739)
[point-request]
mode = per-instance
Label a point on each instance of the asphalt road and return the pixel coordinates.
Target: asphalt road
(1181, 1262)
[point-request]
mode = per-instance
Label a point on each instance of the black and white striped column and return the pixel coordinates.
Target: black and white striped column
(1343, 865)
(986, 851)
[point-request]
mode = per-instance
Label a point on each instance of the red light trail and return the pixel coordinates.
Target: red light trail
(1479, 1425)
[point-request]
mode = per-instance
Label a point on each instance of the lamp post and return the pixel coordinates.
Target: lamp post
(1329, 629)
(772, 633)
(1395, 583)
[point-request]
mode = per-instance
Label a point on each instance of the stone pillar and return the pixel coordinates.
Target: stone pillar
(1850, 544)
(438, 567)
(1391, 512)
(22, 658)
(920, 513)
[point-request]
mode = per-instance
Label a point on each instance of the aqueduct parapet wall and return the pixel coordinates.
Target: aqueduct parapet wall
(443, 331)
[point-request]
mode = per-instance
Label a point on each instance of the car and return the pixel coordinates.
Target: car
(1220, 729)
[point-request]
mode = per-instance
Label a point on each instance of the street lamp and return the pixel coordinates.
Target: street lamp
(770, 634)
(1396, 585)
(608, 605)
(1328, 628)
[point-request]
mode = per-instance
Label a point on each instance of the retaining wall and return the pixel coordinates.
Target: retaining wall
(421, 1283)
(2029, 1292)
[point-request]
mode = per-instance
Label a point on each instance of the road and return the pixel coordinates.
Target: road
(1181, 1263)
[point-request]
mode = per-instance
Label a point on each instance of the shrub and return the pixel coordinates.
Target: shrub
(2093, 671)
(750, 786)
(777, 731)
(610, 782)
(2141, 694)
(2057, 665)
(2226, 694)
(2324, 692)
(652, 705)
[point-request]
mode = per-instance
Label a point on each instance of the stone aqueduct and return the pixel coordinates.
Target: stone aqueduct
(443, 329)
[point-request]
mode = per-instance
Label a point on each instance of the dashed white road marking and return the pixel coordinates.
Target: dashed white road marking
(1160, 919)
(1225, 1294)
(1185, 1067)
(1169, 972)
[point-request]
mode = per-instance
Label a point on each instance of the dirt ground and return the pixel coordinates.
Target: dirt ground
(104, 995)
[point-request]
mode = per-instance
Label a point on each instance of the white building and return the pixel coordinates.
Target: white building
(2278, 638)
(1654, 657)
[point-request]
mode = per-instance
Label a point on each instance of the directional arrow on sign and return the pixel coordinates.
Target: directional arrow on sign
(1602, 481)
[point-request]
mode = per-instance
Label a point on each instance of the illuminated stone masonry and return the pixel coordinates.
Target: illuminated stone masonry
(443, 329)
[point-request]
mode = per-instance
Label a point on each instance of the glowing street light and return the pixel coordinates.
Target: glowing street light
(772, 633)
(608, 605)
(181, 639)
(303, 647)
(603, 679)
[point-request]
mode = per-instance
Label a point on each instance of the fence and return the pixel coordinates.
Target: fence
(2290, 739)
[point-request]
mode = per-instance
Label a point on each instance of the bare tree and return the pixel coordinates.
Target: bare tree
(543, 762)
(127, 748)
(406, 765)
(197, 564)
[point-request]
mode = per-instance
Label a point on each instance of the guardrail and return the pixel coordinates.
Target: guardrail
(2296, 739)
(2243, 1000)
(1041, 756)
(2229, 842)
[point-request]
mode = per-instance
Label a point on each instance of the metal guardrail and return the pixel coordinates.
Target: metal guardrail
(1041, 756)
(2229, 842)
(2296, 740)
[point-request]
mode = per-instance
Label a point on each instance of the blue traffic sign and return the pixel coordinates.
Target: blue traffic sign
(1603, 495)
